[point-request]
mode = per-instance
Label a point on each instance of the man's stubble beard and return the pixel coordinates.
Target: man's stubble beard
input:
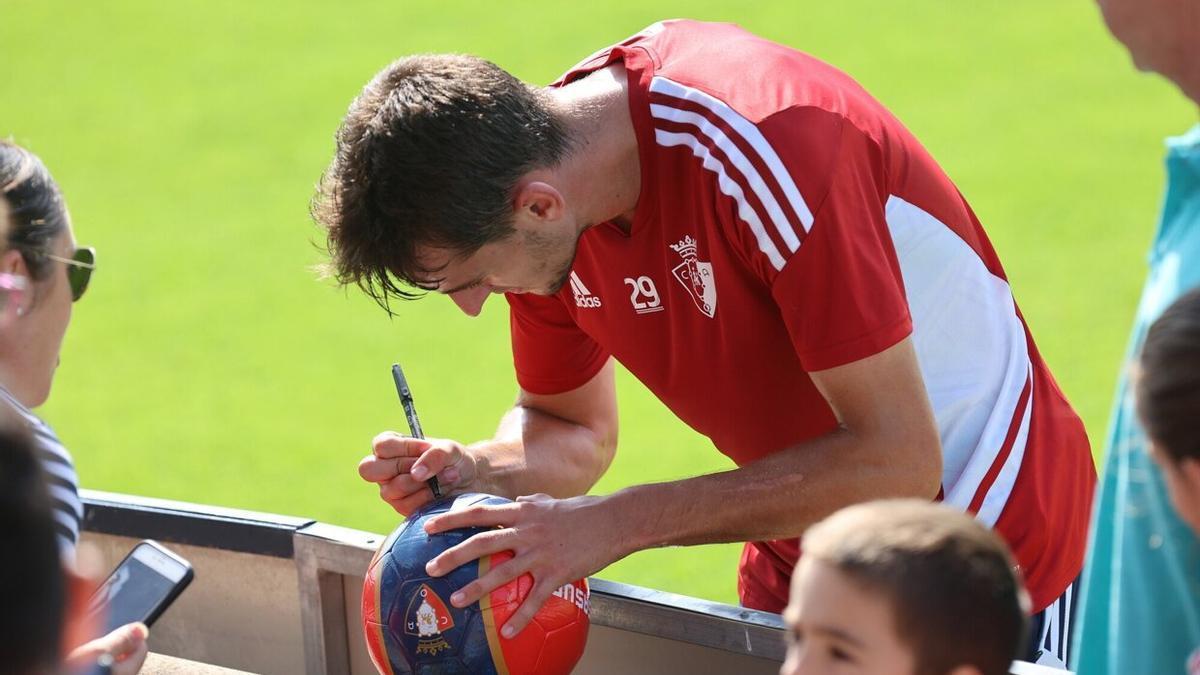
(563, 274)
(538, 245)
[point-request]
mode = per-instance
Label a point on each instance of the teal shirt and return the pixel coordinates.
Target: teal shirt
(1140, 607)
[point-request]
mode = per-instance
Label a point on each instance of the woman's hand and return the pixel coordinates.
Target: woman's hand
(126, 646)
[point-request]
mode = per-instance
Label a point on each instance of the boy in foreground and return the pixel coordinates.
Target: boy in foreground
(904, 587)
(1168, 407)
(1168, 402)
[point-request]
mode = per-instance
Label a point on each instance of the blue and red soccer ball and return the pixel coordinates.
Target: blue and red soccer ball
(411, 625)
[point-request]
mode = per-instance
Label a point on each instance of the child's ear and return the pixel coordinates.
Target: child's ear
(1189, 467)
(965, 670)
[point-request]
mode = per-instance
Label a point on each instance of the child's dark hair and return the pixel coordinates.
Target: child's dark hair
(1168, 381)
(955, 595)
(32, 582)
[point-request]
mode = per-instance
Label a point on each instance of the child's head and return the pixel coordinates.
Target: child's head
(1168, 401)
(33, 591)
(905, 587)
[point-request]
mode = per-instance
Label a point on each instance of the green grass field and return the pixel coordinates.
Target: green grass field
(208, 364)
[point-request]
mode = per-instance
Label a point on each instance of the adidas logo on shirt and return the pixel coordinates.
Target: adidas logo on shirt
(583, 297)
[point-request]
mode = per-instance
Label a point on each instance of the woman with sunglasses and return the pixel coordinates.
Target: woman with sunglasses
(39, 259)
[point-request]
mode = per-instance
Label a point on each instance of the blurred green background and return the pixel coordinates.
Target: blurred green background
(209, 364)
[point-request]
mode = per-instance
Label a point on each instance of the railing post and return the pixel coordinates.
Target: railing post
(322, 613)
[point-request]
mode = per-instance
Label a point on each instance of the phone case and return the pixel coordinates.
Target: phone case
(188, 575)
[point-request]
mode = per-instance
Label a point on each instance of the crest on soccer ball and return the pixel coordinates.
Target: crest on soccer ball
(427, 618)
(696, 276)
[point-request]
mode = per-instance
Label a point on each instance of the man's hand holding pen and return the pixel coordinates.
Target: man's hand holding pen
(401, 466)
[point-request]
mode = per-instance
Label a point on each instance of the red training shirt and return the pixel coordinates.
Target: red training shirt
(788, 223)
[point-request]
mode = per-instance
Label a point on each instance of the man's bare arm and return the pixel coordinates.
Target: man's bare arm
(887, 445)
(558, 444)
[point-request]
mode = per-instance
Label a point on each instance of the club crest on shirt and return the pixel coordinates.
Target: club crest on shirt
(696, 276)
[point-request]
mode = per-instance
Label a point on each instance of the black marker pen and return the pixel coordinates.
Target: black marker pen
(414, 424)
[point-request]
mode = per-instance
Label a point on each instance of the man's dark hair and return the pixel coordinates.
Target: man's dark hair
(1168, 382)
(32, 582)
(951, 583)
(429, 155)
(34, 205)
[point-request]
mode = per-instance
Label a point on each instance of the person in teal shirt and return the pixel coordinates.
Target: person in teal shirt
(1140, 602)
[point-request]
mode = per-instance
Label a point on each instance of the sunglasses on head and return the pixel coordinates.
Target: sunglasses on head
(79, 269)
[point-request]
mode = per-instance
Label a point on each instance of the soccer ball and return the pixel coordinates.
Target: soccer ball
(411, 625)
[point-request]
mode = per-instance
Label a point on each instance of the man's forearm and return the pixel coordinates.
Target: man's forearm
(776, 497)
(534, 451)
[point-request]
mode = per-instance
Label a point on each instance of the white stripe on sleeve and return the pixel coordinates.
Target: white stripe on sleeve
(663, 85)
(739, 160)
(729, 187)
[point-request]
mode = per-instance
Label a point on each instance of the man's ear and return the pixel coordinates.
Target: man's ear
(965, 670)
(539, 201)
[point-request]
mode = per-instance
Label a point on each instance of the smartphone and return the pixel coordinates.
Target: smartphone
(142, 587)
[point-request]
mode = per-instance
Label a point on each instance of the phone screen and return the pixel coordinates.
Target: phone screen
(143, 581)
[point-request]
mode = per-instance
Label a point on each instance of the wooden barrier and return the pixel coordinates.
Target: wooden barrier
(277, 594)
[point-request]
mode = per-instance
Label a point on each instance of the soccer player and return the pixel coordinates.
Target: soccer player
(900, 587)
(758, 241)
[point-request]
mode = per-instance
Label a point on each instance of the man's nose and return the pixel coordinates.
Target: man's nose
(471, 300)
